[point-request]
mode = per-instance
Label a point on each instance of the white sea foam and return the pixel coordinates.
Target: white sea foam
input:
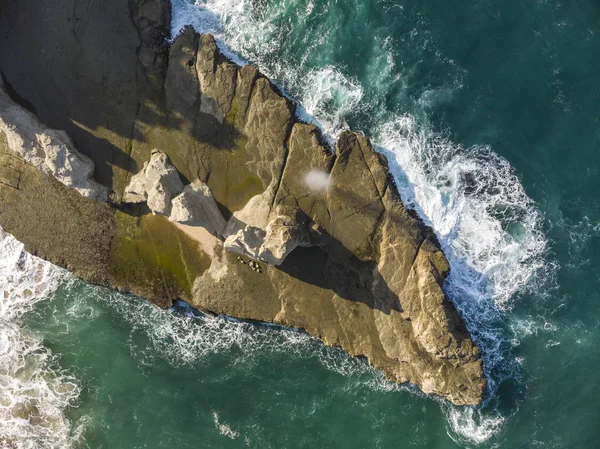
(330, 96)
(579, 235)
(491, 233)
(34, 392)
(224, 429)
(488, 226)
(477, 206)
(327, 95)
(179, 340)
(469, 425)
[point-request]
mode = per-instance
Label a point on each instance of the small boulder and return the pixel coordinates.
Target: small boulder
(246, 241)
(157, 184)
(271, 245)
(196, 206)
(283, 235)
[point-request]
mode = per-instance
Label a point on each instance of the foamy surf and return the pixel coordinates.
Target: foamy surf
(184, 336)
(490, 229)
(34, 392)
(469, 425)
(488, 226)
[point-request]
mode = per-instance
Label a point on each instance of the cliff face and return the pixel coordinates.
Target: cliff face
(217, 193)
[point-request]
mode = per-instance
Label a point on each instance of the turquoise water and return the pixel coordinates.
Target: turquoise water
(489, 115)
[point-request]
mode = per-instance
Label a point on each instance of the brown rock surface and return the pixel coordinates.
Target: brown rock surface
(368, 273)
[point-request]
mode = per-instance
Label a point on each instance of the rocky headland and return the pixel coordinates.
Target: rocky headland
(166, 170)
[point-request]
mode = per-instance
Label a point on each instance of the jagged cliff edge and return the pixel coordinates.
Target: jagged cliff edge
(217, 194)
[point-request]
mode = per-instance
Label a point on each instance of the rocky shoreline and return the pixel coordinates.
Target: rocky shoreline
(181, 175)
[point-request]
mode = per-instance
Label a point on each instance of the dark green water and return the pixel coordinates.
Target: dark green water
(489, 114)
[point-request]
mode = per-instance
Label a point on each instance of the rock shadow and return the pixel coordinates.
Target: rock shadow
(342, 273)
(96, 76)
(330, 265)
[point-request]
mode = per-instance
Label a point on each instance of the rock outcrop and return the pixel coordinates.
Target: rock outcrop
(196, 206)
(156, 184)
(282, 235)
(238, 175)
(50, 150)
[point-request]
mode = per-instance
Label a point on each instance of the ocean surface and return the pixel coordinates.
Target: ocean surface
(489, 113)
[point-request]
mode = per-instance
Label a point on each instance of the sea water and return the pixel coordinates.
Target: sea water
(489, 115)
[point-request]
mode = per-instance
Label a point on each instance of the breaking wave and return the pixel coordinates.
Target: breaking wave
(184, 336)
(490, 230)
(35, 393)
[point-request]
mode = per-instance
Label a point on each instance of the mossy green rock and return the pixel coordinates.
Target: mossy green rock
(155, 259)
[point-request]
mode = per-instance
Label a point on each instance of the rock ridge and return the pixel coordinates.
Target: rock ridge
(217, 194)
(50, 150)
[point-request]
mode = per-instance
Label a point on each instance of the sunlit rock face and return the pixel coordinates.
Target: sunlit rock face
(243, 211)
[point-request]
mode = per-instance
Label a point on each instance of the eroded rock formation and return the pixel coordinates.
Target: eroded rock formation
(50, 150)
(237, 173)
(272, 245)
(156, 184)
(196, 206)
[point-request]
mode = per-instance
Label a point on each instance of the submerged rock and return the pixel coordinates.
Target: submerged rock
(345, 259)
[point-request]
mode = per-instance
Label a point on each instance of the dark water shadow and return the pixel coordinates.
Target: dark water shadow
(326, 263)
